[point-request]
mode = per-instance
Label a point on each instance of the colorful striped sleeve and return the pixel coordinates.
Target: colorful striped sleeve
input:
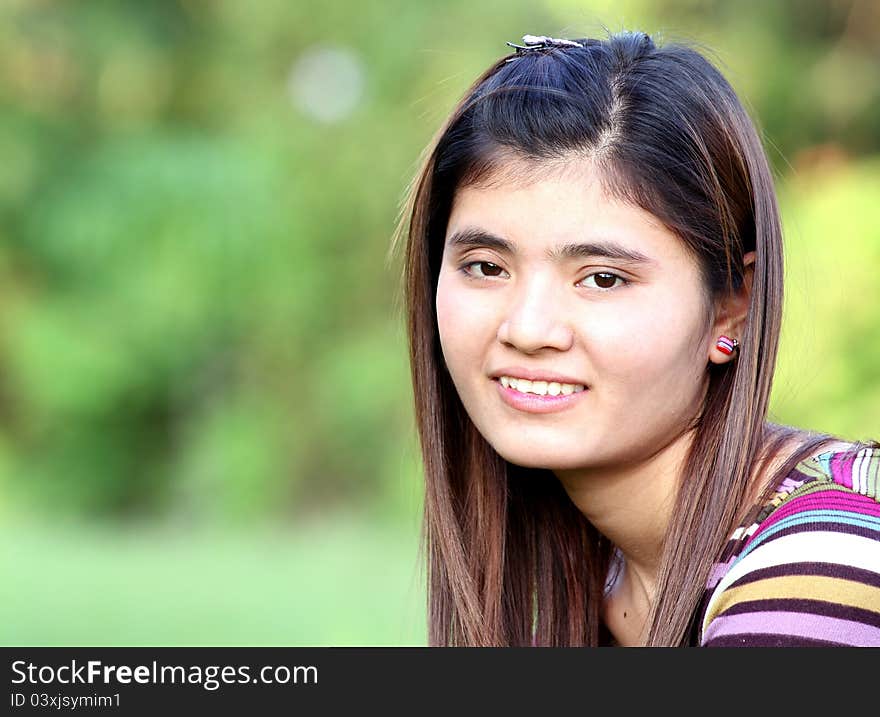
(810, 574)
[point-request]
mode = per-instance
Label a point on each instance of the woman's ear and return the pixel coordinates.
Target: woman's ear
(731, 313)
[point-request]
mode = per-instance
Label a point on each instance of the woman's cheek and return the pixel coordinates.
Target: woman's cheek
(461, 322)
(619, 337)
(448, 308)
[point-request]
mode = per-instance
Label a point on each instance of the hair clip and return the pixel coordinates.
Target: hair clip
(540, 42)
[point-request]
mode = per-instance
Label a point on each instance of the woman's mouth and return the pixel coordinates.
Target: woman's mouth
(538, 396)
(540, 388)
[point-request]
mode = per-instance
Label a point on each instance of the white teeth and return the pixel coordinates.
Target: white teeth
(540, 388)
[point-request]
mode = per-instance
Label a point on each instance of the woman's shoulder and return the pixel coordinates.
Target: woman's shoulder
(852, 466)
(806, 570)
(841, 467)
(830, 487)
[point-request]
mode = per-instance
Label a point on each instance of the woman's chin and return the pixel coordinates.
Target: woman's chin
(549, 461)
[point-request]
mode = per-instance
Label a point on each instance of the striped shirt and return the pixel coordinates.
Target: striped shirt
(804, 569)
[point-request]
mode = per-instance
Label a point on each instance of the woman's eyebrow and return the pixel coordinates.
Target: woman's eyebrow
(609, 250)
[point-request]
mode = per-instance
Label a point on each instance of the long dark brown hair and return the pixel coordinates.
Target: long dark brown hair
(510, 559)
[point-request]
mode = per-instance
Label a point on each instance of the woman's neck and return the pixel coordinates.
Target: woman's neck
(631, 505)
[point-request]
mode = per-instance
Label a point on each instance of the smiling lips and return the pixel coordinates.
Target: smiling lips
(538, 396)
(541, 388)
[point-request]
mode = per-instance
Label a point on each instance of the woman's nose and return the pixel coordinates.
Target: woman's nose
(535, 319)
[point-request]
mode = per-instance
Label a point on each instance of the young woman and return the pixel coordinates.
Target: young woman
(593, 279)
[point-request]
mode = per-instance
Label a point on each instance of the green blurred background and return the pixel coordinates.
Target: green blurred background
(206, 433)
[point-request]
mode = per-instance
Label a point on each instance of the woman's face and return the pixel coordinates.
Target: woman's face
(557, 281)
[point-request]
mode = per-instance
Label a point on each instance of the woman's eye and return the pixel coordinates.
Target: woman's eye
(604, 280)
(486, 269)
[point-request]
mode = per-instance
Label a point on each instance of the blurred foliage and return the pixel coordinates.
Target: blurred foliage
(355, 585)
(829, 364)
(198, 319)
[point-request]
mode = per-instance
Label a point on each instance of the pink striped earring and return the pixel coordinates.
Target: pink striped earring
(726, 345)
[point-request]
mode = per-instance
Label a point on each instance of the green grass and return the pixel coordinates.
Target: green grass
(334, 582)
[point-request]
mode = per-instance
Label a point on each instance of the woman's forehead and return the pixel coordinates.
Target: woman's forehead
(557, 207)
